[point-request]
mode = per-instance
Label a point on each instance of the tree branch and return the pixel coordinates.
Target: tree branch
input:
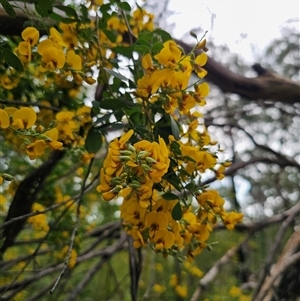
(24, 198)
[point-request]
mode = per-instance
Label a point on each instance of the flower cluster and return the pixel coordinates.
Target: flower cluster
(146, 173)
(23, 122)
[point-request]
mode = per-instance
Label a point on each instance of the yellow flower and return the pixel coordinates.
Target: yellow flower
(163, 239)
(231, 218)
(173, 280)
(74, 60)
(9, 82)
(235, 291)
(181, 290)
(24, 118)
(44, 45)
(212, 199)
(4, 119)
(200, 61)
(24, 49)
(156, 221)
(169, 55)
(56, 37)
(201, 91)
(31, 35)
(36, 149)
(132, 212)
(138, 239)
(53, 58)
(3, 202)
(159, 289)
(53, 137)
(147, 63)
(147, 85)
(196, 271)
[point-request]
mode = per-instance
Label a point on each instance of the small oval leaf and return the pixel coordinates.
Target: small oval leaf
(93, 141)
(177, 212)
(11, 59)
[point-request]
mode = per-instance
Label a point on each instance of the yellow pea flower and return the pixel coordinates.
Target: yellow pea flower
(24, 118)
(24, 49)
(53, 58)
(156, 221)
(231, 218)
(163, 239)
(44, 45)
(56, 37)
(200, 61)
(30, 35)
(201, 91)
(4, 119)
(36, 149)
(169, 55)
(74, 60)
(147, 63)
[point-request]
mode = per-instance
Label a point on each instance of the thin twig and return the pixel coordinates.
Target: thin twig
(273, 250)
(110, 251)
(75, 227)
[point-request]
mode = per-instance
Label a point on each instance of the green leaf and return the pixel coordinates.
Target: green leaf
(84, 14)
(116, 74)
(169, 196)
(68, 20)
(11, 59)
(142, 49)
(189, 159)
(43, 8)
(56, 17)
(164, 36)
(175, 128)
(126, 51)
(71, 12)
(125, 6)
(177, 212)
(157, 47)
(8, 8)
(93, 141)
(112, 104)
(110, 35)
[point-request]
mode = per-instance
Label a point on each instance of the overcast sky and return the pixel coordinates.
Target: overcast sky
(241, 24)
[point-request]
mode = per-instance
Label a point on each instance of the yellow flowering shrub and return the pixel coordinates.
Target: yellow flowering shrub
(149, 118)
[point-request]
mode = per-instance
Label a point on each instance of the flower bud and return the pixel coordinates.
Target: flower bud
(146, 167)
(135, 184)
(150, 160)
(125, 153)
(131, 148)
(143, 154)
(125, 158)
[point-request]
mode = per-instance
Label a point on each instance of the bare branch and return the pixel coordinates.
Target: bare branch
(110, 251)
(273, 250)
(288, 258)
